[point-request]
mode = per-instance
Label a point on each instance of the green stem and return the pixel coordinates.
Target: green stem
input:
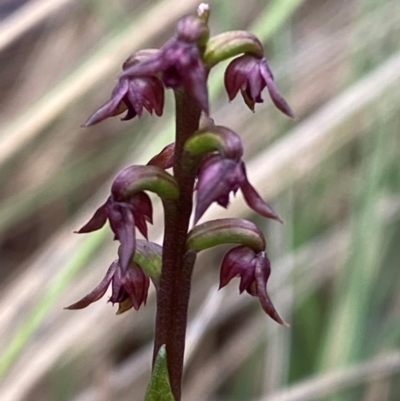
(174, 290)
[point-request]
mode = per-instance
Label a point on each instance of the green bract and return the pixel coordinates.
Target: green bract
(216, 138)
(231, 44)
(148, 256)
(134, 179)
(226, 231)
(159, 388)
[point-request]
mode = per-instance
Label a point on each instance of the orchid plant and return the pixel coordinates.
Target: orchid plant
(205, 159)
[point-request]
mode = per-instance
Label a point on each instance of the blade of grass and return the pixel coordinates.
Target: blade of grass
(57, 285)
(28, 16)
(328, 383)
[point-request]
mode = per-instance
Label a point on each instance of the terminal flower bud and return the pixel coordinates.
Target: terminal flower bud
(251, 75)
(192, 29)
(178, 62)
(203, 12)
(253, 269)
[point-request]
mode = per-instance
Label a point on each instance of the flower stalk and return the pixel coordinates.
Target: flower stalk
(206, 160)
(174, 290)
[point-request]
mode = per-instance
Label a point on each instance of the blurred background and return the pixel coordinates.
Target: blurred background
(333, 175)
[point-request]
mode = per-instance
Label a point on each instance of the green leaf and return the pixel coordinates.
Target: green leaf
(159, 388)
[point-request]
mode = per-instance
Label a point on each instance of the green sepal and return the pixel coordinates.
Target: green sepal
(159, 388)
(216, 138)
(231, 44)
(136, 178)
(225, 231)
(148, 256)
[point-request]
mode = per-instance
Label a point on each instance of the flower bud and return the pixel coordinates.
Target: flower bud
(203, 12)
(179, 62)
(192, 29)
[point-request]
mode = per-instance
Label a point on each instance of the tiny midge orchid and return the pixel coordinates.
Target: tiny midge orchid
(205, 159)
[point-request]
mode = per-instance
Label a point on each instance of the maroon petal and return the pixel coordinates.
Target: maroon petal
(131, 112)
(254, 200)
(141, 224)
(217, 178)
(256, 83)
(134, 95)
(195, 81)
(234, 78)
(153, 94)
(142, 211)
(273, 90)
(136, 284)
(123, 225)
(262, 272)
(112, 107)
(97, 221)
(165, 159)
(98, 292)
(148, 67)
(118, 293)
(238, 262)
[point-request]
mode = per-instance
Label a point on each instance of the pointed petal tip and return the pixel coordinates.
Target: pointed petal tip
(92, 120)
(75, 306)
(277, 218)
(279, 320)
(289, 112)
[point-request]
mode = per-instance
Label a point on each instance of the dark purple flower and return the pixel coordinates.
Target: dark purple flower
(123, 216)
(218, 177)
(132, 95)
(251, 75)
(179, 62)
(129, 288)
(254, 270)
